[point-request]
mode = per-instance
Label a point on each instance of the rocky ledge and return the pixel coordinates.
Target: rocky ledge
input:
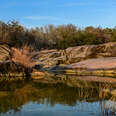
(88, 60)
(95, 67)
(97, 60)
(50, 58)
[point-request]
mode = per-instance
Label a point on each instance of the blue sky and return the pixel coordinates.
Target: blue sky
(82, 13)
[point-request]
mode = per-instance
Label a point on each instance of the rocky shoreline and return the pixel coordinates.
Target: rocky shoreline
(87, 60)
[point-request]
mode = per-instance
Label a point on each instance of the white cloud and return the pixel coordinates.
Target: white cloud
(42, 18)
(65, 20)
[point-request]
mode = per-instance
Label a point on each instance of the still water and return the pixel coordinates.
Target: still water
(32, 98)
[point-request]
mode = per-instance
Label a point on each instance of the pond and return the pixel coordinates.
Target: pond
(46, 98)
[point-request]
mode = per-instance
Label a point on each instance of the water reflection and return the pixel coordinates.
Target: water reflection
(37, 98)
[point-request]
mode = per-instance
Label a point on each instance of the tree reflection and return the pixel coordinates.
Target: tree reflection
(14, 95)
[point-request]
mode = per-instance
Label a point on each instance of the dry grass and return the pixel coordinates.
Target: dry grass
(23, 56)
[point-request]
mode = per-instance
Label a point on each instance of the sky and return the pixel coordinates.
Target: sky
(82, 13)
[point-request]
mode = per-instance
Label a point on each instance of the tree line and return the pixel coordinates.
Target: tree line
(54, 37)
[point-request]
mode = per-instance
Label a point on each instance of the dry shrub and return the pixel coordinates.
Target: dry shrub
(24, 56)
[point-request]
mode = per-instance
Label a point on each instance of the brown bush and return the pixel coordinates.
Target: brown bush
(23, 56)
